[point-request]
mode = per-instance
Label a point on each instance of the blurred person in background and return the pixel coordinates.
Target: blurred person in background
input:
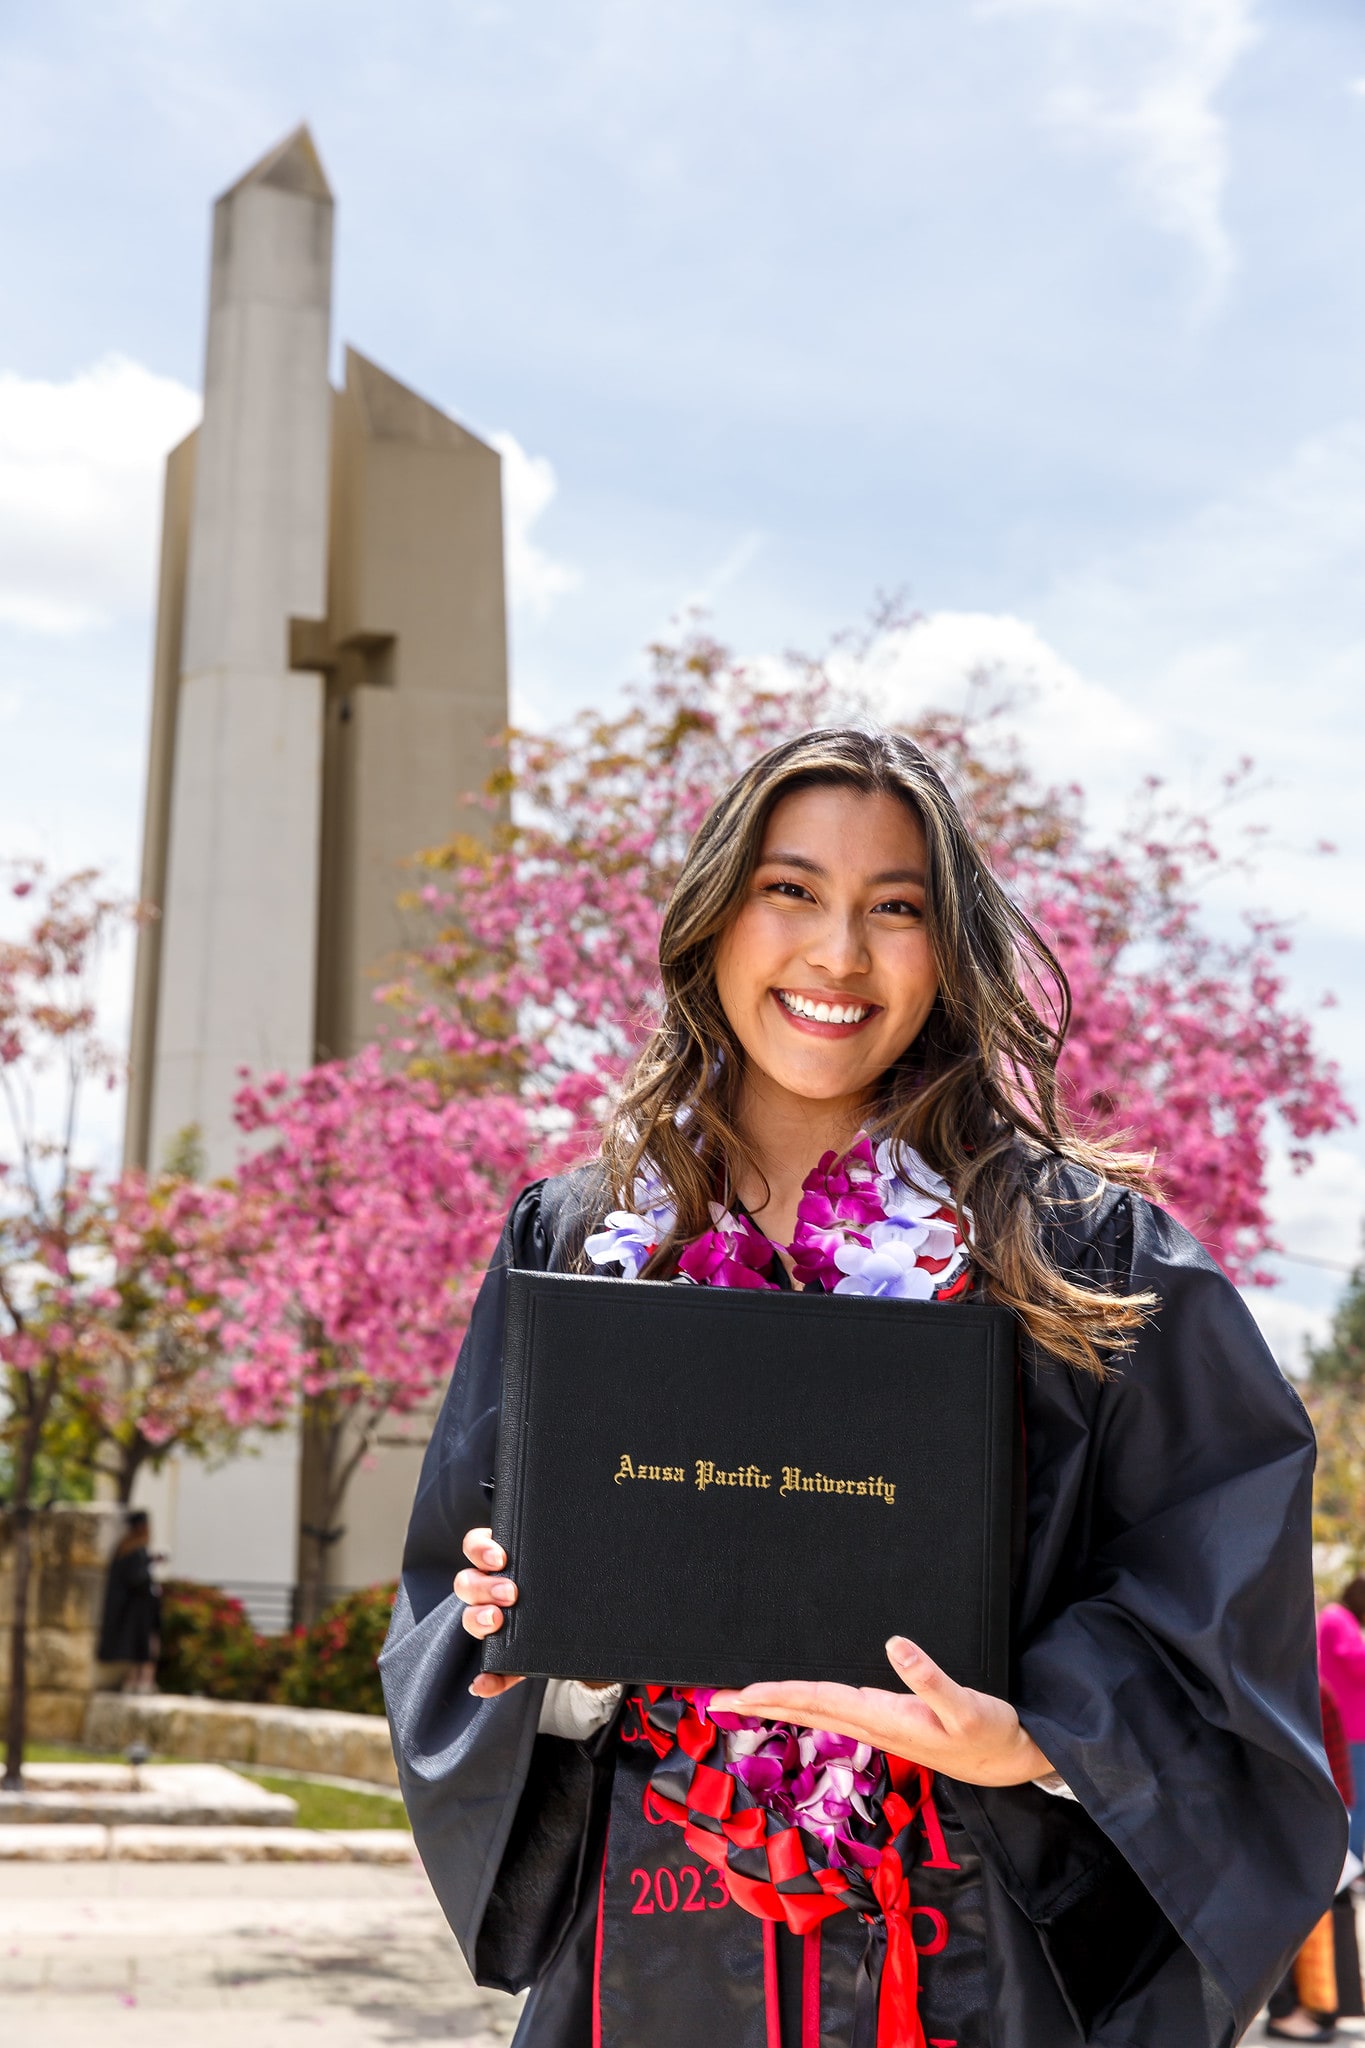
(1322, 1984)
(131, 1622)
(1341, 1665)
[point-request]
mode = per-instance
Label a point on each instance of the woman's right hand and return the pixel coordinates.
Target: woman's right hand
(486, 1590)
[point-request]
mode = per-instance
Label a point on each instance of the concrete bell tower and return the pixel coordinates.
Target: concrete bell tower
(330, 674)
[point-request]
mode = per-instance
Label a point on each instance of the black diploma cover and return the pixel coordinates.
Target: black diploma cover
(712, 1486)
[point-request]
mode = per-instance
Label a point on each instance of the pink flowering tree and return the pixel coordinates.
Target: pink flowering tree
(100, 1350)
(371, 1195)
(537, 976)
(363, 1213)
(157, 1382)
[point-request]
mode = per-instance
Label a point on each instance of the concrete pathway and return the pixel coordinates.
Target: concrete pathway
(203, 1955)
(217, 1956)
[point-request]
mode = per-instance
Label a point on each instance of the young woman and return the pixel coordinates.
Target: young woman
(1127, 1850)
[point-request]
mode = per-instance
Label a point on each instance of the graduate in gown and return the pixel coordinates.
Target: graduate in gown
(853, 1088)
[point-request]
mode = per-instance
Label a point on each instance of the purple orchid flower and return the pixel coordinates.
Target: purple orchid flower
(632, 1236)
(840, 1198)
(732, 1254)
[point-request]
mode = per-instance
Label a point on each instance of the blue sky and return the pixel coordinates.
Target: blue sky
(1049, 310)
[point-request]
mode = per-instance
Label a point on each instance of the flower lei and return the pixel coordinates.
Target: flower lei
(880, 1223)
(869, 1223)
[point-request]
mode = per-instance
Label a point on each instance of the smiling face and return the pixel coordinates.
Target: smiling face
(826, 974)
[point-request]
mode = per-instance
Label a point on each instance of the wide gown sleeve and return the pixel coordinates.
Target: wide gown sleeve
(1175, 1686)
(502, 1818)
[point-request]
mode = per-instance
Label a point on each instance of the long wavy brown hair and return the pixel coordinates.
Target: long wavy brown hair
(975, 1094)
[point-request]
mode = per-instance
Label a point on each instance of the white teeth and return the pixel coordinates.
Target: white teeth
(824, 1013)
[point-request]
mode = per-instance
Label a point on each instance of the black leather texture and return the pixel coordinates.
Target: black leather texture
(802, 1440)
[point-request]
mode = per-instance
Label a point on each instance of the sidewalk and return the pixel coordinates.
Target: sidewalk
(278, 1955)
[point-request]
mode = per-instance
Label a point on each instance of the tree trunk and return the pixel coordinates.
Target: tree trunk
(18, 1653)
(319, 1503)
(39, 1392)
(130, 1460)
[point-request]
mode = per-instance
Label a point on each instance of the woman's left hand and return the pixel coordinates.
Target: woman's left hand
(967, 1735)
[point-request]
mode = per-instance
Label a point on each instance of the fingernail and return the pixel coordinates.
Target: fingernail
(503, 1590)
(494, 1558)
(489, 1615)
(902, 1651)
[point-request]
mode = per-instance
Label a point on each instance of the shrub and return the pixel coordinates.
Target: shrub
(336, 1662)
(208, 1646)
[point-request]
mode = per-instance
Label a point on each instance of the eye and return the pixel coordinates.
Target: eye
(901, 907)
(795, 888)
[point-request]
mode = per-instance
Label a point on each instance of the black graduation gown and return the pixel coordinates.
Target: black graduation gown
(1165, 1663)
(129, 1620)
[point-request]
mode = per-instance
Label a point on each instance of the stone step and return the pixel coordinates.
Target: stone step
(114, 1795)
(40, 1842)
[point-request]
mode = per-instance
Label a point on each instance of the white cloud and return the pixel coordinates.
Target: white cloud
(1074, 729)
(80, 492)
(1240, 630)
(1319, 1213)
(535, 579)
(1288, 1327)
(1140, 79)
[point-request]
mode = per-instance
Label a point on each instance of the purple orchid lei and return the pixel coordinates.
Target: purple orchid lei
(871, 1223)
(879, 1223)
(809, 1778)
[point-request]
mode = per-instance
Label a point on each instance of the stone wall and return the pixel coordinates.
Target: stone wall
(70, 1551)
(312, 1739)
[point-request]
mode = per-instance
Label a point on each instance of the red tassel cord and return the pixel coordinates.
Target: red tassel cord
(767, 1866)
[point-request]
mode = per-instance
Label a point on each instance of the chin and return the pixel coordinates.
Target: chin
(818, 1087)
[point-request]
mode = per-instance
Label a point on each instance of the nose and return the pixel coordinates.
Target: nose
(840, 949)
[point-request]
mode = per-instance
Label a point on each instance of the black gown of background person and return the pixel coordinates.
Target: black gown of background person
(1164, 1663)
(129, 1620)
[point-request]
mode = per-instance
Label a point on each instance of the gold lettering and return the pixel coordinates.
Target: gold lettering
(628, 1469)
(794, 1480)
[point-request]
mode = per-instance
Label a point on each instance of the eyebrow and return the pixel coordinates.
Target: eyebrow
(813, 867)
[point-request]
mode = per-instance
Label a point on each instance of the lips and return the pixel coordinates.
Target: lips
(843, 1015)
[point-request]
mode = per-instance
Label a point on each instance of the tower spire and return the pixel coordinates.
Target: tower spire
(291, 166)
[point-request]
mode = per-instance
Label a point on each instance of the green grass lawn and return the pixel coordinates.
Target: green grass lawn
(320, 1806)
(333, 1806)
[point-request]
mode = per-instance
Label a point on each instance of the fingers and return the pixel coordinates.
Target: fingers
(479, 1548)
(489, 1684)
(789, 1700)
(862, 1712)
(485, 1596)
(484, 1600)
(950, 1701)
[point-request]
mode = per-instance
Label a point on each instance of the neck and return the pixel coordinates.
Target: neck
(786, 1134)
